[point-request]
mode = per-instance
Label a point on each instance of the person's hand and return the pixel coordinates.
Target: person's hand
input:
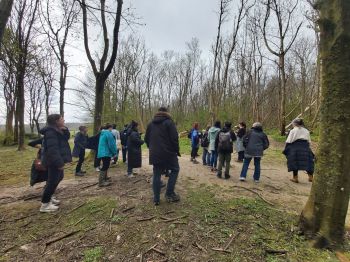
(61, 168)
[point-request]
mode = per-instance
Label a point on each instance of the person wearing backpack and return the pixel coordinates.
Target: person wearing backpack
(255, 143)
(124, 141)
(55, 154)
(212, 134)
(205, 146)
(239, 145)
(224, 146)
(195, 137)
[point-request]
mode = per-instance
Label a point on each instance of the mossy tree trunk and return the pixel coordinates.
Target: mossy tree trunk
(323, 217)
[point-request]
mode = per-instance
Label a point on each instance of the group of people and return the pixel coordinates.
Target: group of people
(218, 146)
(162, 140)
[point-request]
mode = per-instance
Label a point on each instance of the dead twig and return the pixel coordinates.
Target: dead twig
(91, 185)
(9, 248)
(221, 250)
(200, 247)
(72, 210)
(112, 212)
(231, 239)
(256, 193)
(272, 251)
(61, 237)
(128, 209)
(79, 221)
(166, 220)
(136, 181)
(145, 218)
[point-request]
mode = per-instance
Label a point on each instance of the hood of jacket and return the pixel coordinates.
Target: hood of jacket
(160, 117)
(214, 129)
(47, 128)
(226, 129)
(257, 129)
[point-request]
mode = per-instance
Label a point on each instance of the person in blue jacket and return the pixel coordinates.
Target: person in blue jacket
(195, 136)
(107, 149)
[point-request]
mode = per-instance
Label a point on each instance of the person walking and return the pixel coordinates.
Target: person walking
(134, 148)
(92, 143)
(106, 150)
(56, 153)
(195, 137)
(80, 143)
(298, 152)
(224, 147)
(205, 146)
(213, 132)
(124, 141)
(255, 143)
(116, 136)
(239, 145)
(162, 139)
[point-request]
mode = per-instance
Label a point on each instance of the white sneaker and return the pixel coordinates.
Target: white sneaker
(55, 201)
(130, 176)
(257, 181)
(98, 169)
(48, 207)
(242, 179)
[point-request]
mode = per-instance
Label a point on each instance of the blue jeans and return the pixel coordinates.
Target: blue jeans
(157, 173)
(206, 157)
(213, 158)
(246, 163)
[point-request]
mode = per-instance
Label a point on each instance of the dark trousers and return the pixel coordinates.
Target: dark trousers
(206, 157)
(194, 151)
(53, 179)
(106, 161)
(157, 173)
(224, 159)
(295, 173)
(240, 155)
(80, 161)
(124, 151)
(97, 161)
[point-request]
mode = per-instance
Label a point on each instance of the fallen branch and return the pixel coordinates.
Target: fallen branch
(112, 212)
(9, 248)
(272, 251)
(31, 197)
(128, 209)
(145, 218)
(61, 237)
(252, 191)
(136, 181)
(91, 185)
(231, 239)
(75, 208)
(79, 221)
(158, 251)
(221, 250)
(166, 220)
(200, 247)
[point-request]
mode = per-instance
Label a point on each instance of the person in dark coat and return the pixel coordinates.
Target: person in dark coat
(124, 141)
(80, 143)
(162, 139)
(255, 143)
(38, 172)
(134, 148)
(56, 153)
(298, 152)
(224, 146)
(92, 143)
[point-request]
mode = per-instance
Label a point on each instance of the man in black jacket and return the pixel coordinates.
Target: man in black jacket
(224, 146)
(162, 140)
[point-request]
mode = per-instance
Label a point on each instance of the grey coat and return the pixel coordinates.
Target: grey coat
(255, 142)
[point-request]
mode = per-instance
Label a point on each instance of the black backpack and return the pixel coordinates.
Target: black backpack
(205, 140)
(225, 141)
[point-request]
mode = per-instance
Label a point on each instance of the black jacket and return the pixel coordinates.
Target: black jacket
(80, 143)
(241, 132)
(134, 149)
(299, 156)
(162, 140)
(55, 150)
(124, 137)
(255, 142)
(92, 142)
(233, 138)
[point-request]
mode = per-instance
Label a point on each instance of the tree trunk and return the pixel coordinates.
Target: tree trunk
(20, 104)
(63, 76)
(324, 214)
(99, 88)
(283, 96)
(5, 12)
(9, 127)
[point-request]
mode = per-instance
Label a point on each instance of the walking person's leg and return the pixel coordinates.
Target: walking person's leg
(78, 171)
(240, 156)
(295, 177)
(170, 194)
(129, 171)
(221, 163)
(227, 165)
(156, 184)
(204, 156)
(55, 175)
(257, 169)
(245, 167)
(103, 173)
(208, 158)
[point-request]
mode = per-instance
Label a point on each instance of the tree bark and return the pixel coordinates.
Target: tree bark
(5, 12)
(323, 217)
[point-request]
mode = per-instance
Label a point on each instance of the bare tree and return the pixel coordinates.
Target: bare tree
(102, 73)
(5, 12)
(283, 13)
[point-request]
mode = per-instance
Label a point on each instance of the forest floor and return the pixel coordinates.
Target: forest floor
(216, 219)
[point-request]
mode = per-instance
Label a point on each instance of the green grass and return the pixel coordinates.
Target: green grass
(93, 255)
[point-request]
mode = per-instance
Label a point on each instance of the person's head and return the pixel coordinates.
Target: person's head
(134, 125)
(208, 127)
(228, 125)
(108, 126)
(163, 109)
(298, 122)
(195, 125)
(217, 124)
(257, 125)
(55, 120)
(242, 125)
(83, 129)
(114, 126)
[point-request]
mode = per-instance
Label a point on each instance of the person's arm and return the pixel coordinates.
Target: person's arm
(266, 142)
(148, 130)
(233, 136)
(111, 144)
(52, 150)
(36, 142)
(136, 139)
(217, 141)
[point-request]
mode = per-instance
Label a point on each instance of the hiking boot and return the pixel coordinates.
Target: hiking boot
(156, 203)
(55, 201)
(191, 159)
(219, 175)
(195, 161)
(242, 179)
(83, 172)
(257, 181)
(130, 175)
(79, 174)
(98, 169)
(294, 179)
(48, 207)
(311, 178)
(172, 198)
(102, 179)
(227, 176)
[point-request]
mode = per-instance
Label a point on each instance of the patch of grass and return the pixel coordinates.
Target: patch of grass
(275, 135)
(93, 255)
(274, 155)
(185, 145)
